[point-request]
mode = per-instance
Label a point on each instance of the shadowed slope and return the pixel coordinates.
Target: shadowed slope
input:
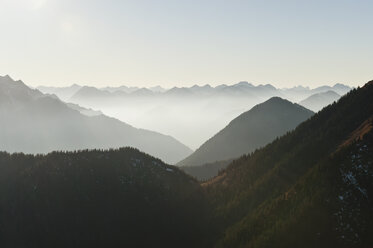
(114, 198)
(249, 131)
(303, 189)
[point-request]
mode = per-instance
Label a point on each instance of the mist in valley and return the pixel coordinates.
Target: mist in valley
(191, 115)
(191, 120)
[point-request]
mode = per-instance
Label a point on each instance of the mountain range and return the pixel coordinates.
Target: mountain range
(317, 101)
(64, 93)
(181, 111)
(311, 187)
(242, 88)
(33, 122)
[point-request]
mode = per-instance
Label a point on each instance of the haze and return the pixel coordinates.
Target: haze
(185, 123)
(194, 114)
(182, 43)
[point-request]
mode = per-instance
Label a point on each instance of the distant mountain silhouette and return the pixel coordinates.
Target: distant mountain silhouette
(32, 122)
(299, 93)
(249, 131)
(241, 88)
(179, 92)
(319, 100)
(64, 93)
(341, 89)
(92, 92)
(84, 111)
(190, 114)
(142, 92)
(158, 89)
(122, 88)
(131, 89)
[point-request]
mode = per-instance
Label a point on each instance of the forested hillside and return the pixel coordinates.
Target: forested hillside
(206, 171)
(311, 188)
(115, 198)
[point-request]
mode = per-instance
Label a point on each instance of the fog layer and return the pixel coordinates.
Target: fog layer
(32, 122)
(191, 115)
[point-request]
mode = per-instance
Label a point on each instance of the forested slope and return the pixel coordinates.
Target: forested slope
(310, 188)
(115, 198)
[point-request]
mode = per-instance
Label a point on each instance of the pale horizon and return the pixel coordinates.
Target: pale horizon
(313, 86)
(139, 43)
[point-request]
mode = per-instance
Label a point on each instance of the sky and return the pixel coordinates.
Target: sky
(186, 42)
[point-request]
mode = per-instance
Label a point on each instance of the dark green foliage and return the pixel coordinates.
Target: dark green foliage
(286, 194)
(115, 198)
(206, 171)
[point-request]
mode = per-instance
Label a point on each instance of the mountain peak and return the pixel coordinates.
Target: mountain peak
(244, 83)
(339, 85)
(6, 78)
(7, 81)
(330, 92)
(201, 87)
(276, 104)
(20, 82)
(275, 101)
(319, 100)
(268, 86)
(249, 131)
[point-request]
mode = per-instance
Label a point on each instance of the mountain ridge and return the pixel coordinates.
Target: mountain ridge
(245, 86)
(317, 101)
(249, 131)
(38, 123)
(96, 198)
(302, 184)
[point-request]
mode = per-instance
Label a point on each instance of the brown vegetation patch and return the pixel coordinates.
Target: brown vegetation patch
(359, 133)
(214, 180)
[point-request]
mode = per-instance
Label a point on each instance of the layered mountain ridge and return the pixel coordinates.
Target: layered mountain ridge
(36, 123)
(312, 187)
(241, 88)
(317, 101)
(181, 111)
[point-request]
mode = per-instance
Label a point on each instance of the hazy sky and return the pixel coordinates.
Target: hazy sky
(186, 42)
